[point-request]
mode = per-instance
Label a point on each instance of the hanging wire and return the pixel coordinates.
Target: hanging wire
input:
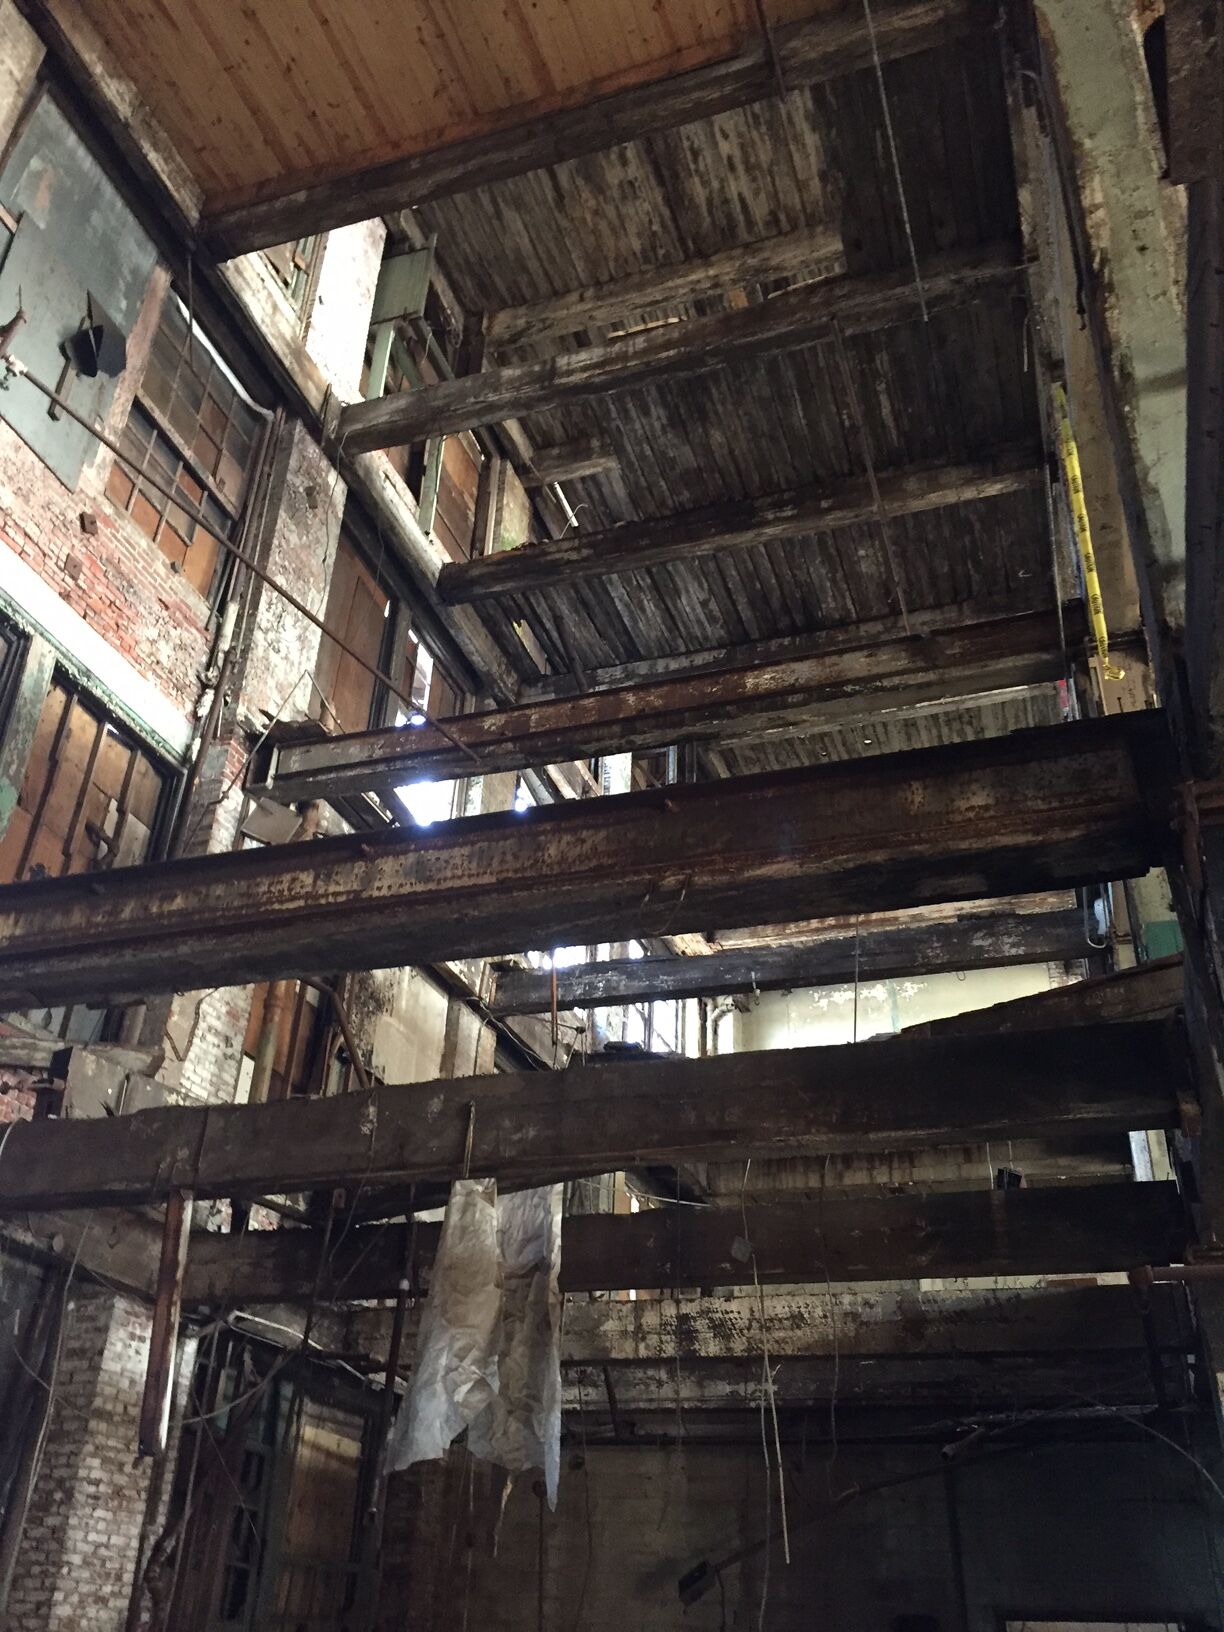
(768, 1397)
(896, 162)
(856, 410)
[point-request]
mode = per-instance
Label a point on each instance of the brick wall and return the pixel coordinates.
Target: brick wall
(16, 1101)
(116, 579)
(74, 1571)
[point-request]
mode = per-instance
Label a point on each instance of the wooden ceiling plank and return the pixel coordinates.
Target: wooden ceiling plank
(816, 49)
(629, 546)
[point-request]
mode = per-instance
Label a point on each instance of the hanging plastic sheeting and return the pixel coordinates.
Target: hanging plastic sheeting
(489, 1348)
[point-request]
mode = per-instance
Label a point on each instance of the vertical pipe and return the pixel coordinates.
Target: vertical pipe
(163, 1341)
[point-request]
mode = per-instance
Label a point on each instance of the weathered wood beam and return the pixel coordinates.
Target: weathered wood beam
(629, 546)
(782, 648)
(990, 944)
(569, 462)
(1064, 1229)
(1149, 991)
(811, 252)
(120, 1248)
(1060, 1319)
(1036, 810)
(814, 691)
(543, 1125)
(819, 49)
(798, 317)
(51, 1056)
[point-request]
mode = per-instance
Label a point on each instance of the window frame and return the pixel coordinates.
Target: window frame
(78, 691)
(189, 462)
(299, 294)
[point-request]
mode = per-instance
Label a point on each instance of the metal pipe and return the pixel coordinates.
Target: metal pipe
(1147, 1274)
(346, 1029)
(163, 1340)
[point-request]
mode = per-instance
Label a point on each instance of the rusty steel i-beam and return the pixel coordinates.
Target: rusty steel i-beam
(1036, 810)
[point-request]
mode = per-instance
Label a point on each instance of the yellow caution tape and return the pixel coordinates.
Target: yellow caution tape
(1074, 479)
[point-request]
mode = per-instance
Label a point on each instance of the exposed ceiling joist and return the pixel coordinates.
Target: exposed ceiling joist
(1036, 810)
(534, 1127)
(814, 691)
(797, 317)
(782, 648)
(1065, 1229)
(987, 943)
(807, 253)
(807, 52)
(630, 546)
(569, 462)
(1145, 992)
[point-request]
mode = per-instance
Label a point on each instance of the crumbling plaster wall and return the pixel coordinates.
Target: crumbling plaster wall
(836, 1014)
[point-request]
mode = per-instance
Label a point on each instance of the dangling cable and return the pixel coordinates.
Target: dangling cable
(896, 162)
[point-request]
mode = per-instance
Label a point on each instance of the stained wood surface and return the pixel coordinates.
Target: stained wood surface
(813, 693)
(889, 954)
(902, 1093)
(632, 546)
(1036, 810)
(1064, 1229)
(511, 104)
(797, 317)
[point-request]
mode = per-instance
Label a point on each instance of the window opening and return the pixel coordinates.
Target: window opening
(295, 267)
(194, 430)
(92, 798)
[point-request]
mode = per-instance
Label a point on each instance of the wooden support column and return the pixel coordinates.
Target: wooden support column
(797, 317)
(1089, 1229)
(821, 48)
(1036, 810)
(815, 692)
(987, 942)
(536, 1127)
